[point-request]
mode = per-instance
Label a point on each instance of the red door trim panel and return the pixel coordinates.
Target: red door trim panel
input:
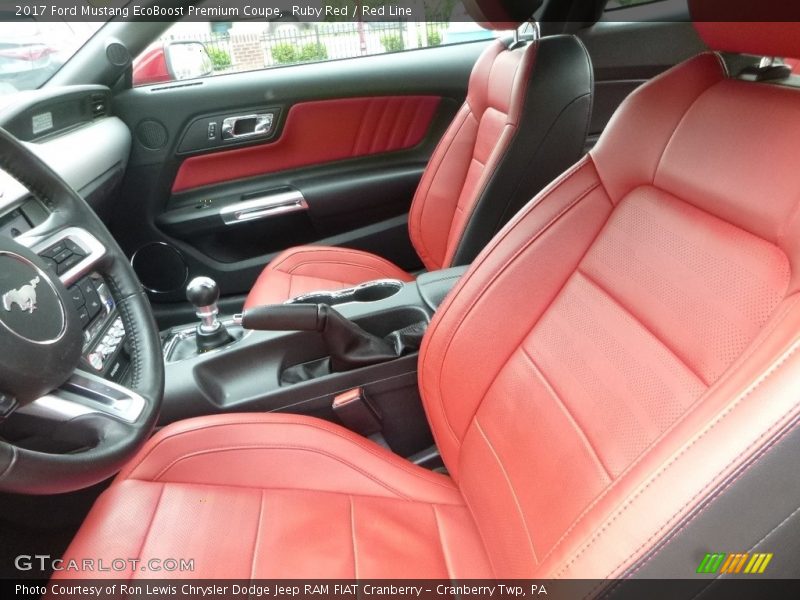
(318, 132)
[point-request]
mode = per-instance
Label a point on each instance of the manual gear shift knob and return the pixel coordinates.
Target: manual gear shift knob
(202, 292)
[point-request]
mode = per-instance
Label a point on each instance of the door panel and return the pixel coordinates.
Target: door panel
(350, 137)
(318, 132)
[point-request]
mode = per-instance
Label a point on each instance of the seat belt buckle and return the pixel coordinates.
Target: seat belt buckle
(356, 412)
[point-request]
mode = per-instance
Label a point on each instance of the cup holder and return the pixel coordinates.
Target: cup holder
(376, 290)
(372, 291)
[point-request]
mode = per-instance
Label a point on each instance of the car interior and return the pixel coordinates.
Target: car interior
(516, 307)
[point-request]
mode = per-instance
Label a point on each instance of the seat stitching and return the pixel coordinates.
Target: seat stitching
(236, 486)
(298, 250)
(495, 157)
(510, 487)
(464, 181)
(336, 262)
(532, 159)
(792, 216)
(525, 212)
(602, 289)
(480, 533)
(480, 162)
(716, 494)
(581, 433)
(353, 537)
(645, 452)
(329, 430)
(258, 536)
(511, 226)
(678, 126)
(416, 238)
(499, 153)
(219, 449)
(530, 56)
(667, 465)
(149, 526)
(753, 547)
(341, 251)
(447, 569)
(498, 272)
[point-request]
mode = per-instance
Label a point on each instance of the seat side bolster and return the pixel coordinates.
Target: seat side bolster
(276, 451)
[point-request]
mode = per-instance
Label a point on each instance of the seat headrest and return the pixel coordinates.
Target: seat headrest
(762, 27)
(501, 14)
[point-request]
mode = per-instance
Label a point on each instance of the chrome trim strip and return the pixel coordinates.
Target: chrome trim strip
(349, 292)
(263, 207)
(60, 404)
(54, 408)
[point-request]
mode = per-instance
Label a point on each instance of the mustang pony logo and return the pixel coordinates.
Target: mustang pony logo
(24, 297)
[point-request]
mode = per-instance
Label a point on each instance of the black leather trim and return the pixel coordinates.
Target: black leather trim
(549, 139)
(756, 510)
(434, 286)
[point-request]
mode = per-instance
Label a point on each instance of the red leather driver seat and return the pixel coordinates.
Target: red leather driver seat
(523, 122)
(611, 369)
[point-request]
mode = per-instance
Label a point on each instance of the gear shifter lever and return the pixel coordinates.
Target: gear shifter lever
(203, 293)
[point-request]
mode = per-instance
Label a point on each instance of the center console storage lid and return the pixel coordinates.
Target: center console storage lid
(434, 286)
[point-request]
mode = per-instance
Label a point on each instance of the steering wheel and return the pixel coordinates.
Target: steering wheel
(92, 425)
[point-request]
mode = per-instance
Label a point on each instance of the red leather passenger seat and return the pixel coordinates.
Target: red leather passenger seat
(523, 122)
(619, 357)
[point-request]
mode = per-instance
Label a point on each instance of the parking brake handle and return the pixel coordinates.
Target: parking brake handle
(349, 346)
(284, 317)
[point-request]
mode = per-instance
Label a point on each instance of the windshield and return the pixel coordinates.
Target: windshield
(30, 52)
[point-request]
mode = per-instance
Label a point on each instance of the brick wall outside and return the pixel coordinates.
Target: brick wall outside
(247, 53)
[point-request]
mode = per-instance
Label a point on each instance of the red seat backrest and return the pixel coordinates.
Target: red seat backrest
(629, 340)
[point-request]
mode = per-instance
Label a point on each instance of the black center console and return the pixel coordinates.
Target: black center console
(290, 371)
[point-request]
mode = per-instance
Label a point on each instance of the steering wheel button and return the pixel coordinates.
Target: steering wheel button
(93, 306)
(87, 287)
(96, 361)
(62, 256)
(83, 314)
(54, 250)
(51, 264)
(77, 296)
(75, 248)
(67, 264)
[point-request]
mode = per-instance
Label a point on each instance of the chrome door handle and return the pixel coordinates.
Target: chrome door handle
(247, 126)
(263, 207)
